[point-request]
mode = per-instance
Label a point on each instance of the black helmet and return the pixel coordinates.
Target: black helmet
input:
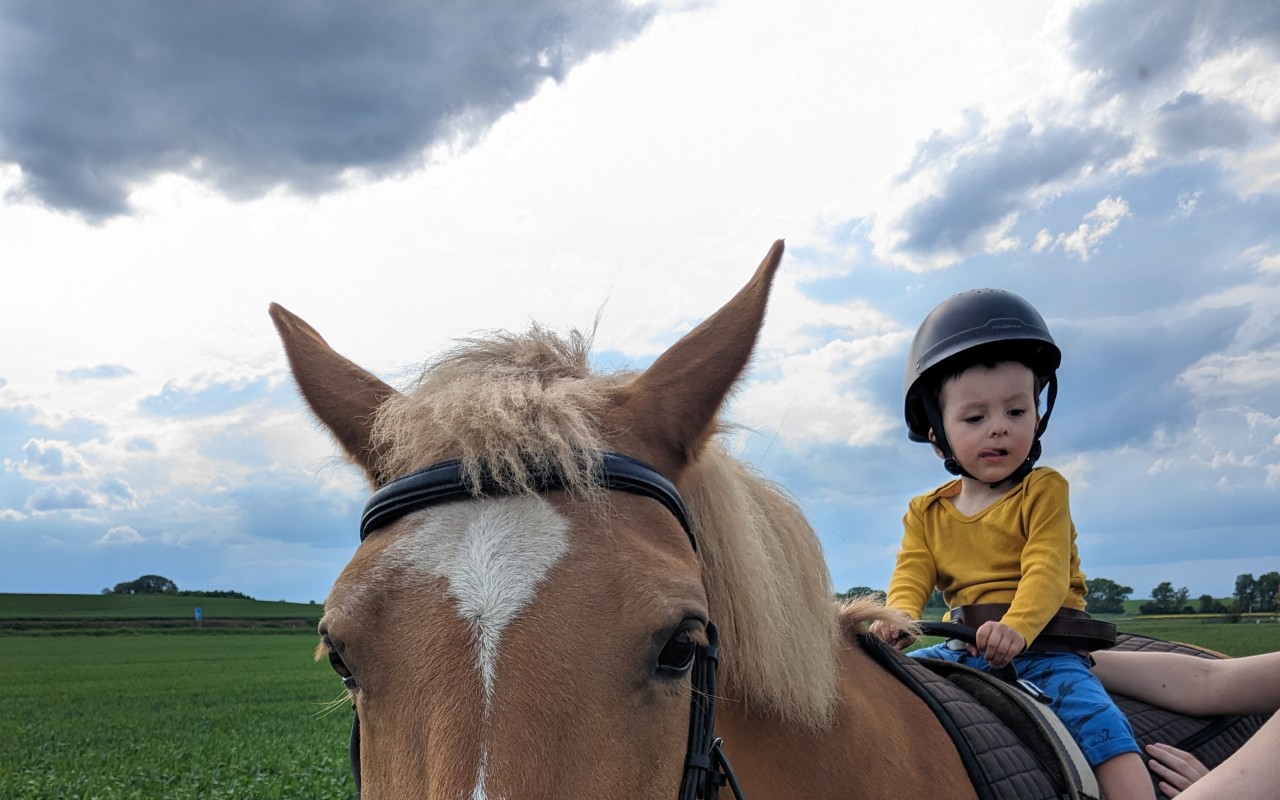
(984, 324)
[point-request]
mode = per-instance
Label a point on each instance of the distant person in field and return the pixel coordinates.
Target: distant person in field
(1205, 687)
(998, 540)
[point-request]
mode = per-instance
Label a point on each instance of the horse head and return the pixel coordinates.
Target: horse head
(532, 639)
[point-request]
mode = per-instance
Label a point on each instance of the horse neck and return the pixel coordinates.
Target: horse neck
(767, 589)
(882, 742)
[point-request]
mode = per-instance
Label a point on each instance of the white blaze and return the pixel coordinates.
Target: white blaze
(494, 553)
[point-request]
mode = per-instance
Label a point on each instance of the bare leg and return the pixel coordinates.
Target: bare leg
(1125, 777)
(1251, 774)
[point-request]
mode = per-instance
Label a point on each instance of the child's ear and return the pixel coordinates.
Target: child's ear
(933, 440)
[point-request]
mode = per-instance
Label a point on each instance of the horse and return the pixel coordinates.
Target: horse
(521, 639)
(567, 586)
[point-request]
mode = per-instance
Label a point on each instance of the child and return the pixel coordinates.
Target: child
(998, 541)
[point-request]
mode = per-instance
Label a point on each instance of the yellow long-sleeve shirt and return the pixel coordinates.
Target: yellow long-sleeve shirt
(1021, 550)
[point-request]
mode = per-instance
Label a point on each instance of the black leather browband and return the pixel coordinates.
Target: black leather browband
(442, 482)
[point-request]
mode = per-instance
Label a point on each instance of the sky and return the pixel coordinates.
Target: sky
(404, 174)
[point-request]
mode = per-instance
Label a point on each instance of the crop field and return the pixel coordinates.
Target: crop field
(231, 713)
(136, 606)
(177, 715)
(1245, 638)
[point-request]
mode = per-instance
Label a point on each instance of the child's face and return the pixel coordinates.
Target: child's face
(990, 418)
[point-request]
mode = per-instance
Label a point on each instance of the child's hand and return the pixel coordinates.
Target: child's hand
(998, 643)
(894, 636)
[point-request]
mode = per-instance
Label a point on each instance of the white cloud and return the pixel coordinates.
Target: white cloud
(1221, 375)
(810, 406)
(1187, 201)
(111, 493)
(1265, 263)
(1098, 224)
(1076, 470)
(120, 536)
(44, 459)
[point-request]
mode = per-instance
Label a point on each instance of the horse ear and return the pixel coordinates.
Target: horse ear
(676, 400)
(343, 396)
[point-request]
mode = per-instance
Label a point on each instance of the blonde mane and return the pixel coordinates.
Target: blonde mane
(509, 404)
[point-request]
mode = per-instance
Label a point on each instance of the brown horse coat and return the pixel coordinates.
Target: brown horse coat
(516, 646)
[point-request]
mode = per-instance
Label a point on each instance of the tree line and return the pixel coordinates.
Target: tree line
(1251, 595)
(158, 584)
(1105, 596)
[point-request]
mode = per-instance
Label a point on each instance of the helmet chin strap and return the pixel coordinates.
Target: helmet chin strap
(949, 462)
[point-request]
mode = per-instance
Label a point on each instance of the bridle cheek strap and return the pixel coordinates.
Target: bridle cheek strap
(354, 748)
(706, 767)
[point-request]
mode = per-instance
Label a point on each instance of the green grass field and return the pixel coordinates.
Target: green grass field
(137, 606)
(175, 716)
(185, 713)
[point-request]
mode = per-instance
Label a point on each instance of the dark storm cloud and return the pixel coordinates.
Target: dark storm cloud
(1120, 385)
(1194, 122)
(1132, 45)
(96, 98)
(1137, 58)
(987, 178)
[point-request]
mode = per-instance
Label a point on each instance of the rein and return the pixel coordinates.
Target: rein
(706, 768)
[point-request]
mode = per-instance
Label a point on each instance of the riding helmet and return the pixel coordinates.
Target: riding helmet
(1001, 324)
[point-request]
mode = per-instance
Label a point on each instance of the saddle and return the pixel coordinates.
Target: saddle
(1014, 748)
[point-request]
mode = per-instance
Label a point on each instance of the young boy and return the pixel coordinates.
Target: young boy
(998, 541)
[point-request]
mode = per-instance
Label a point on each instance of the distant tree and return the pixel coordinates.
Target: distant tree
(1105, 596)
(1209, 605)
(147, 584)
(1246, 594)
(858, 591)
(1181, 598)
(1268, 586)
(214, 593)
(936, 600)
(1166, 600)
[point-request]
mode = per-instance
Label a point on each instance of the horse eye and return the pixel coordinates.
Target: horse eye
(340, 666)
(676, 657)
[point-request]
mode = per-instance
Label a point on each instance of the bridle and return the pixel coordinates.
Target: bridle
(706, 768)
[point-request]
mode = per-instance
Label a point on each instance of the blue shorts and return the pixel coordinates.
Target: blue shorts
(1077, 697)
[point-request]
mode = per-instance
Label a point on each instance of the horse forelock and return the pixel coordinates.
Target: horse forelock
(506, 404)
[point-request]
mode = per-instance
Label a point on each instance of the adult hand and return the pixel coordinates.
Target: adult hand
(998, 643)
(1176, 769)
